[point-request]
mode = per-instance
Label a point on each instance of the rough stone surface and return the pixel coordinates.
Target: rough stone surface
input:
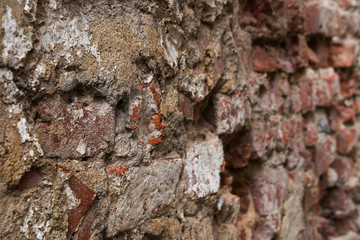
(217, 119)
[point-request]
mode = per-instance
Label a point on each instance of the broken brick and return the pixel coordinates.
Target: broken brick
(30, 179)
(346, 139)
(73, 130)
(325, 154)
(343, 55)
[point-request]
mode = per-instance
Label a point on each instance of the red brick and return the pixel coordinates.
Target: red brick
(295, 16)
(72, 130)
(269, 189)
(306, 96)
(326, 88)
(348, 83)
(263, 230)
(185, 107)
(30, 179)
(339, 115)
(292, 132)
(238, 153)
(86, 197)
(338, 202)
(343, 55)
(346, 139)
(325, 154)
(322, 19)
(311, 134)
(227, 113)
(313, 224)
(270, 59)
(338, 227)
(343, 166)
(85, 227)
(259, 139)
(302, 92)
(276, 94)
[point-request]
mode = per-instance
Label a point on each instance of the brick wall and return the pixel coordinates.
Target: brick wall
(218, 119)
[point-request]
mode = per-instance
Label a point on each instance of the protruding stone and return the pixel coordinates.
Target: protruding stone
(203, 162)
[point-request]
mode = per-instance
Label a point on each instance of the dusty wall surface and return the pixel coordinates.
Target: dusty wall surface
(218, 119)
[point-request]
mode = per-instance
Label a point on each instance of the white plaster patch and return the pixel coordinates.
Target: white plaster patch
(16, 42)
(37, 145)
(39, 228)
(31, 153)
(63, 36)
(25, 227)
(25, 136)
(81, 148)
(203, 162)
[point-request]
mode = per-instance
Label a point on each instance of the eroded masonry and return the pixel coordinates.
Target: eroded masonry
(217, 119)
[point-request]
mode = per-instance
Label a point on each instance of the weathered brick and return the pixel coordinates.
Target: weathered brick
(323, 19)
(157, 182)
(343, 55)
(269, 189)
(270, 59)
(72, 130)
(84, 195)
(30, 179)
(186, 107)
(227, 113)
(343, 166)
(195, 86)
(293, 133)
(339, 115)
(145, 115)
(325, 153)
(259, 139)
(311, 134)
(346, 139)
(263, 230)
(337, 202)
(348, 83)
(295, 16)
(238, 153)
(301, 92)
(203, 162)
(326, 87)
